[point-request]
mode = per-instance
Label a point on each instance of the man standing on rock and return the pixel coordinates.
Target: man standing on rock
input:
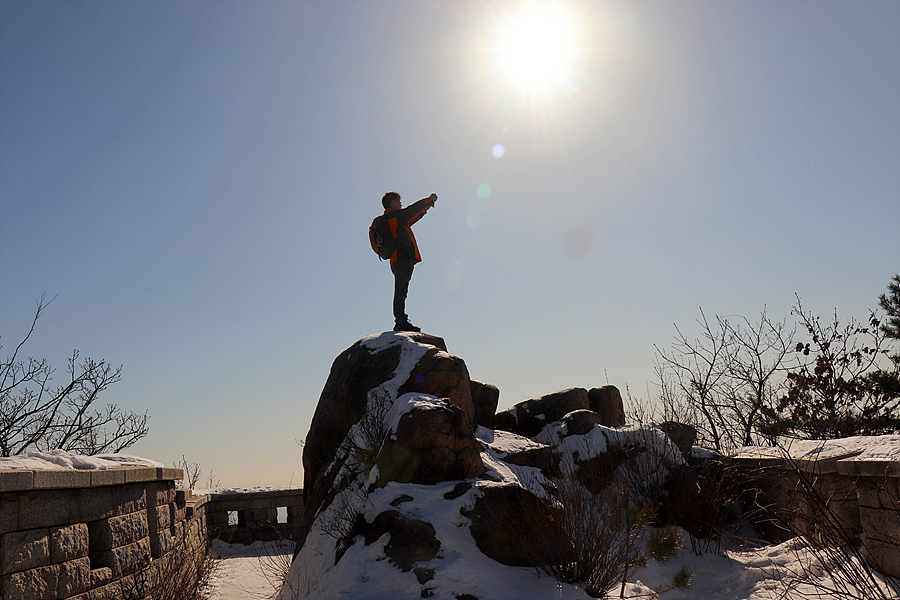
(406, 251)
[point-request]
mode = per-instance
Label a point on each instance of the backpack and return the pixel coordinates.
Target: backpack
(380, 238)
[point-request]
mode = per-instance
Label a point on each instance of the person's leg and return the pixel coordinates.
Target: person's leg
(403, 270)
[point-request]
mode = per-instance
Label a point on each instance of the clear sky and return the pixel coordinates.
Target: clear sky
(195, 180)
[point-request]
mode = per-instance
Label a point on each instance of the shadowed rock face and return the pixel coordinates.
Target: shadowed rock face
(607, 402)
(431, 444)
(411, 540)
(442, 376)
(369, 364)
(485, 397)
(357, 370)
(529, 417)
(511, 525)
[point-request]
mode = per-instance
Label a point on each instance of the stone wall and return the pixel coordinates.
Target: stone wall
(119, 534)
(93, 534)
(244, 517)
(855, 496)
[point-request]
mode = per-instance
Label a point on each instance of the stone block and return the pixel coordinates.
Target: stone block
(879, 524)
(217, 520)
(96, 503)
(16, 480)
(129, 498)
(169, 474)
(107, 477)
(33, 584)
(45, 509)
(140, 474)
(110, 591)
(23, 550)
(161, 543)
(884, 556)
(114, 532)
(869, 468)
(68, 478)
(124, 560)
(100, 577)
(159, 493)
(878, 492)
(74, 577)
(9, 513)
(158, 517)
(68, 543)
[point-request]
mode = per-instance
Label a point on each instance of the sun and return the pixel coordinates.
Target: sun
(537, 46)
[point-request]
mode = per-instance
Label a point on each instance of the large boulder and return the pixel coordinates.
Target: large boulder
(485, 397)
(411, 540)
(362, 367)
(607, 402)
(682, 435)
(383, 365)
(432, 441)
(580, 422)
(529, 417)
(439, 374)
(513, 526)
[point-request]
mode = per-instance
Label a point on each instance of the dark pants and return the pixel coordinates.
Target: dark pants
(403, 270)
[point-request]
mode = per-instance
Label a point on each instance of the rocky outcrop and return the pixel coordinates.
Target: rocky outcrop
(683, 436)
(432, 442)
(362, 367)
(402, 433)
(529, 417)
(411, 540)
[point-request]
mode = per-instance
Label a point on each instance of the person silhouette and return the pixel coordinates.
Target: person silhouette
(406, 251)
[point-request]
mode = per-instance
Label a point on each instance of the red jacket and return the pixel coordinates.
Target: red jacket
(400, 222)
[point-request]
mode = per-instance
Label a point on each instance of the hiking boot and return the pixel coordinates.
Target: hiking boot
(405, 326)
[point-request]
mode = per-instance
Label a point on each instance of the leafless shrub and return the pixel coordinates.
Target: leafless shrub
(184, 573)
(593, 540)
(343, 518)
(833, 549)
(369, 433)
(192, 473)
(275, 560)
(721, 382)
(34, 415)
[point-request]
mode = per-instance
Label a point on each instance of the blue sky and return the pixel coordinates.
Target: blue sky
(194, 182)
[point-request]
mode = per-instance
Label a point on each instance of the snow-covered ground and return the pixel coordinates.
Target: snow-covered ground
(253, 572)
(249, 573)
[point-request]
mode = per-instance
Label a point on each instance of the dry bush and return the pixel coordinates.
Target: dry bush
(184, 573)
(594, 539)
(368, 434)
(703, 498)
(275, 560)
(835, 549)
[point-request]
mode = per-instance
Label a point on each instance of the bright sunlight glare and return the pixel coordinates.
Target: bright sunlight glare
(537, 47)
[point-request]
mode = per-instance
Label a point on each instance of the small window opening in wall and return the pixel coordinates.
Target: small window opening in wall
(233, 518)
(282, 515)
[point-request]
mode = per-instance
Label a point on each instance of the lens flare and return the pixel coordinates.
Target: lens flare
(498, 150)
(483, 191)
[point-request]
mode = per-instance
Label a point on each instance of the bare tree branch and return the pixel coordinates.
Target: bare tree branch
(35, 416)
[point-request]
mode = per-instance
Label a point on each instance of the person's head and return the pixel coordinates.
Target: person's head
(389, 200)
